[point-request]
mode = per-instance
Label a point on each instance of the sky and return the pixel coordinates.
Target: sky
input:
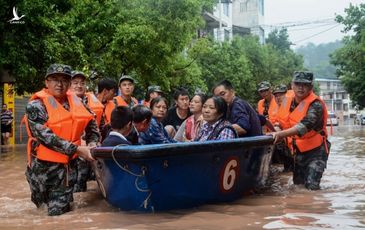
(294, 12)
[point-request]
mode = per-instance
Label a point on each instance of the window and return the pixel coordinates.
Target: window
(328, 85)
(226, 9)
(243, 6)
(345, 107)
(261, 7)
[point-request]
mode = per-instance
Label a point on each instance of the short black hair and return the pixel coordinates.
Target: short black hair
(225, 83)
(141, 113)
(120, 117)
(180, 92)
(108, 84)
(157, 100)
(221, 105)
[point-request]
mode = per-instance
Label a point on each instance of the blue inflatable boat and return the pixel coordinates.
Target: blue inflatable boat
(181, 175)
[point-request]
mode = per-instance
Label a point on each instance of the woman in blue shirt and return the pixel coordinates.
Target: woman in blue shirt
(156, 134)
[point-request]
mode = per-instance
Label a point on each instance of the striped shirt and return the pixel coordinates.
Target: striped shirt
(6, 117)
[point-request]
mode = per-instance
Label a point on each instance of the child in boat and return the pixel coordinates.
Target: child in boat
(216, 127)
(121, 124)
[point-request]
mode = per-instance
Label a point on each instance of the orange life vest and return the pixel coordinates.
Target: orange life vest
(109, 106)
(290, 93)
(68, 125)
(273, 109)
(311, 139)
(95, 105)
(121, 102)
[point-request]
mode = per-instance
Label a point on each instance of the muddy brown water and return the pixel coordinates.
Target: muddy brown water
(340, 204)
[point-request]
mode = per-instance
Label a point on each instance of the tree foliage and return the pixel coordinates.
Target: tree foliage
(144, 38)
(350, 59)
(155, 41)
(317, 58)
(279, 39)
(245, 62)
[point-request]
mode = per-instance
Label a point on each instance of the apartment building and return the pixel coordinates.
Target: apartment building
(235, 17)
(336, 98)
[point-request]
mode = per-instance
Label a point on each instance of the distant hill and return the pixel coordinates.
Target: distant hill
(316, 58)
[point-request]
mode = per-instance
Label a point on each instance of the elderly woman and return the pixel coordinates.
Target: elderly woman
(190, 128)
(216, 127)
(156, 134)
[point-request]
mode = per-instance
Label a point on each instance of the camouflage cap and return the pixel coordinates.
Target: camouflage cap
(75, 74)
(60, 69)
(126, 77)
(154, 88)
(264, 85)
(303, 77)
(280, 89)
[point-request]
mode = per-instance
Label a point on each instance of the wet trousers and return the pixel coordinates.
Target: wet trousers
(309, 167)
(84, 174)
(51, 184)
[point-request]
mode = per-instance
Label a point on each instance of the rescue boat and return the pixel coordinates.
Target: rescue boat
(181, 175)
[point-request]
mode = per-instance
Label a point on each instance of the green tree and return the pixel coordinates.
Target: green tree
(145, 38)
(350, 59)
(283, 60)
(317, 58)
(279, 39)
(245, 62)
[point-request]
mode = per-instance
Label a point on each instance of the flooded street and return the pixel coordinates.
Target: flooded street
(340, 204)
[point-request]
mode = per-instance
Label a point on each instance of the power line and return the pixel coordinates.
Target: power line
(316, 34)
(313, 27)
(300, 23)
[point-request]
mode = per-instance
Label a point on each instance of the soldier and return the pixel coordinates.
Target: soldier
(126, 86)
(303, 118)
(55, 122)
(282, 152)
(267, 105)
(152, 92)
(279, 93)
(78, 86)
(106, 91)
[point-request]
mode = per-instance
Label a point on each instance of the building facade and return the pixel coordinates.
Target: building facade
(336, 98)
(235, 17)
(249, 14)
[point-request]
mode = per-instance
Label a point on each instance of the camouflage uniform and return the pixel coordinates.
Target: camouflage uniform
(52, 183)
(284, 152)
(265, 85)
(309, 166)
(83, 167)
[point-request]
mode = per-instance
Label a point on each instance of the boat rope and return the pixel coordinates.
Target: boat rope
(138, 188)
(124, 168)
(145, 202)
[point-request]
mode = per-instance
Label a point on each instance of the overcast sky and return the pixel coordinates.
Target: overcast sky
(302, 11)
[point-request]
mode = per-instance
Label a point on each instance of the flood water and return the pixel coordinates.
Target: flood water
(340, 204)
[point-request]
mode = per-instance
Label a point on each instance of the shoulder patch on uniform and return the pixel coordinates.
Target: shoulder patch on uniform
(32, 114)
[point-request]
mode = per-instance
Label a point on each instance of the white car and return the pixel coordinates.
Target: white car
(332, 119)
